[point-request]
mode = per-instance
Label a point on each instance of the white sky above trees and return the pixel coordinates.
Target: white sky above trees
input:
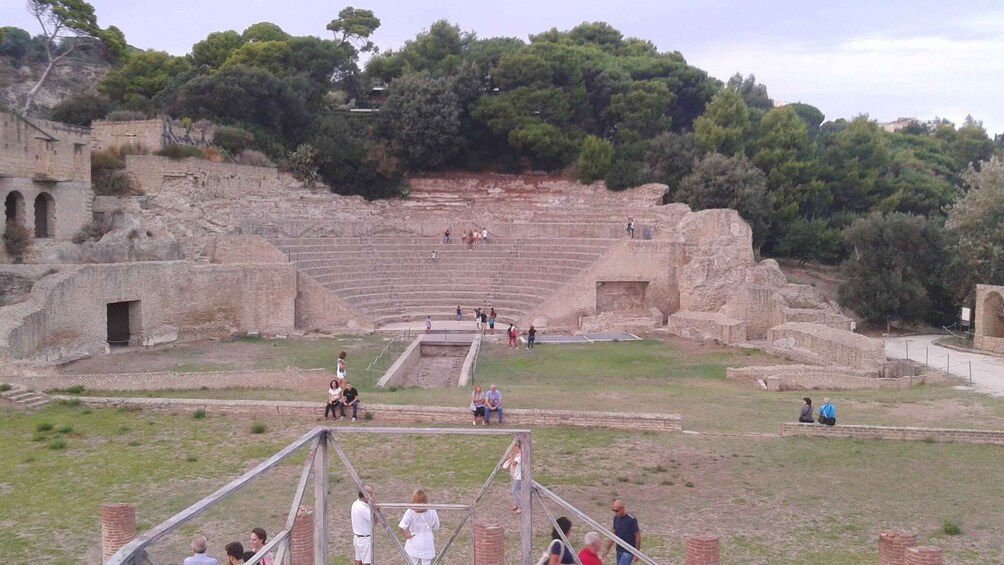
(916, 58)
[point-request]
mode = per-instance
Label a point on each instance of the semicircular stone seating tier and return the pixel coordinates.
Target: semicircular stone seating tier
(395, 278)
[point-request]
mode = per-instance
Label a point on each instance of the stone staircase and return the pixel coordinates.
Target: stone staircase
(25, 397)
(394, 278)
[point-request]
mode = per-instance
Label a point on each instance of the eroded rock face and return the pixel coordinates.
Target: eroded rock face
(128, 241)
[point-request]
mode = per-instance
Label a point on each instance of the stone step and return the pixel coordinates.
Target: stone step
(28, 399)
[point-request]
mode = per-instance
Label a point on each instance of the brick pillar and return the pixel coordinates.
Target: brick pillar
(924, 555)
(702, 550)
(301, 538)
(118, 527)
(892, 546)
(489, 544)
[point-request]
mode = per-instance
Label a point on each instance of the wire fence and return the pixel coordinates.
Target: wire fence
(939, 360)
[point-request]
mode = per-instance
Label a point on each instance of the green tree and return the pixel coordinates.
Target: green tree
(669, 158)
(81, 109)
(62, 19)
(972, 145)
(812, 240)
(137, 84)
(782, 150)
(859, 157)
(730, 182)
(642, 111)
(351, 160)
(595, 159)
(421, 118)
(232, 139)
(753, 94)
(724, 126)
(354, 26)
(268, 55)
(264, 31)
(14, 42)
(975, 231)
(216, 48)
(812, 117)
(894, 268)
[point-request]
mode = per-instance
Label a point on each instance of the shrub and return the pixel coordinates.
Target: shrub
(258, 428)
(233, 140)
(16, 240)
(253, 158)
(951, 528)
(178, 152)
(58, 443)
(595, 160)
(44, 427)
(92, 230)
(191, 458)
(622, 175)
(75, 389)
(303, 164)
(199, 414)
(134, 443)
(65, 430)
(367, 415)
(4, 387)
(81, 109)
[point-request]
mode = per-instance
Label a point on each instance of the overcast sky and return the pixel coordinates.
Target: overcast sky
(890, 58)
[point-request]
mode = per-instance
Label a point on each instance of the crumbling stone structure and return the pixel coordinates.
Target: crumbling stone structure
(45, 176)
(989, 332)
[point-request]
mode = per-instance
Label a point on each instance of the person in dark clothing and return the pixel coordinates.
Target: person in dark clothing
(806, 416)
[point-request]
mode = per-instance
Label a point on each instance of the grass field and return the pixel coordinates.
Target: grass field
(772, 500)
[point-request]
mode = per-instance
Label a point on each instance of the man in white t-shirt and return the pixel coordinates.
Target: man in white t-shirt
(362, 527)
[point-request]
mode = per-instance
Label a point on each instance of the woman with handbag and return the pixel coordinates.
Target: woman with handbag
(557, 553)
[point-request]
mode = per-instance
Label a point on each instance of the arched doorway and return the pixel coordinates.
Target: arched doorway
(45, 215)
(14, 207)
(993, 315)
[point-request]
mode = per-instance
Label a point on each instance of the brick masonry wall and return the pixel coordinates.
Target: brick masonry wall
(284, 379)
(892, 546)
(702, 550)
(145, 133)
(42, 149)
(394, 414)
(118, 527)
(924, 555)
(301, 537)
(941, 435)
(489, 544)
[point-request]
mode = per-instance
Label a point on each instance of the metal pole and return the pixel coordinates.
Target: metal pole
(948, 363)
(970, 373)
(927, 356)
(907, 342)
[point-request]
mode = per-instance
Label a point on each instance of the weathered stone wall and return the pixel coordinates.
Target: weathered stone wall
(707, 326)
(45, 176)
(809, 377)
(815, 344)
(148, 134)
(66, 314)
(43, 150)
(316, 380)
(395, 414)
(989, 332)
(627, 261)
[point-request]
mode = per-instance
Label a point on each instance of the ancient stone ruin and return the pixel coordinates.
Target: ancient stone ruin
(204, 248)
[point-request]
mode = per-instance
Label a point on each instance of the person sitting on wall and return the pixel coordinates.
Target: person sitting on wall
(806, 416)
(827, 414)
(493, 403)
(350, 397)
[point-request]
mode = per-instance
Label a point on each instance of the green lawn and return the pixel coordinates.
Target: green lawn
(640, 376)
(771, 500)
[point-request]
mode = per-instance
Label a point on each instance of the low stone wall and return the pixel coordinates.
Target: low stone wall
(822, 345)
(707, 326)
(394, 414)
(402, 365)
(812, 377)
(941, 435)
(284, 379)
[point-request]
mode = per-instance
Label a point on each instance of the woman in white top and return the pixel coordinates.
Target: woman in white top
(340, 369)
(417, 526)
(334, 399)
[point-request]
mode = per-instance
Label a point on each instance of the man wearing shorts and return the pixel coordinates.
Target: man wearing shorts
(362, 528)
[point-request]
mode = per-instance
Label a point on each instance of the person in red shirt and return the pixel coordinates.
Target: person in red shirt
(590, 555)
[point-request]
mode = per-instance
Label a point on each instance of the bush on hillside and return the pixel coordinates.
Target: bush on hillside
(233, 140)
(178, 152)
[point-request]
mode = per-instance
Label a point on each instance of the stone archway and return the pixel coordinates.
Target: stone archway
(993, 315)
(14, 208)
(45, 215)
